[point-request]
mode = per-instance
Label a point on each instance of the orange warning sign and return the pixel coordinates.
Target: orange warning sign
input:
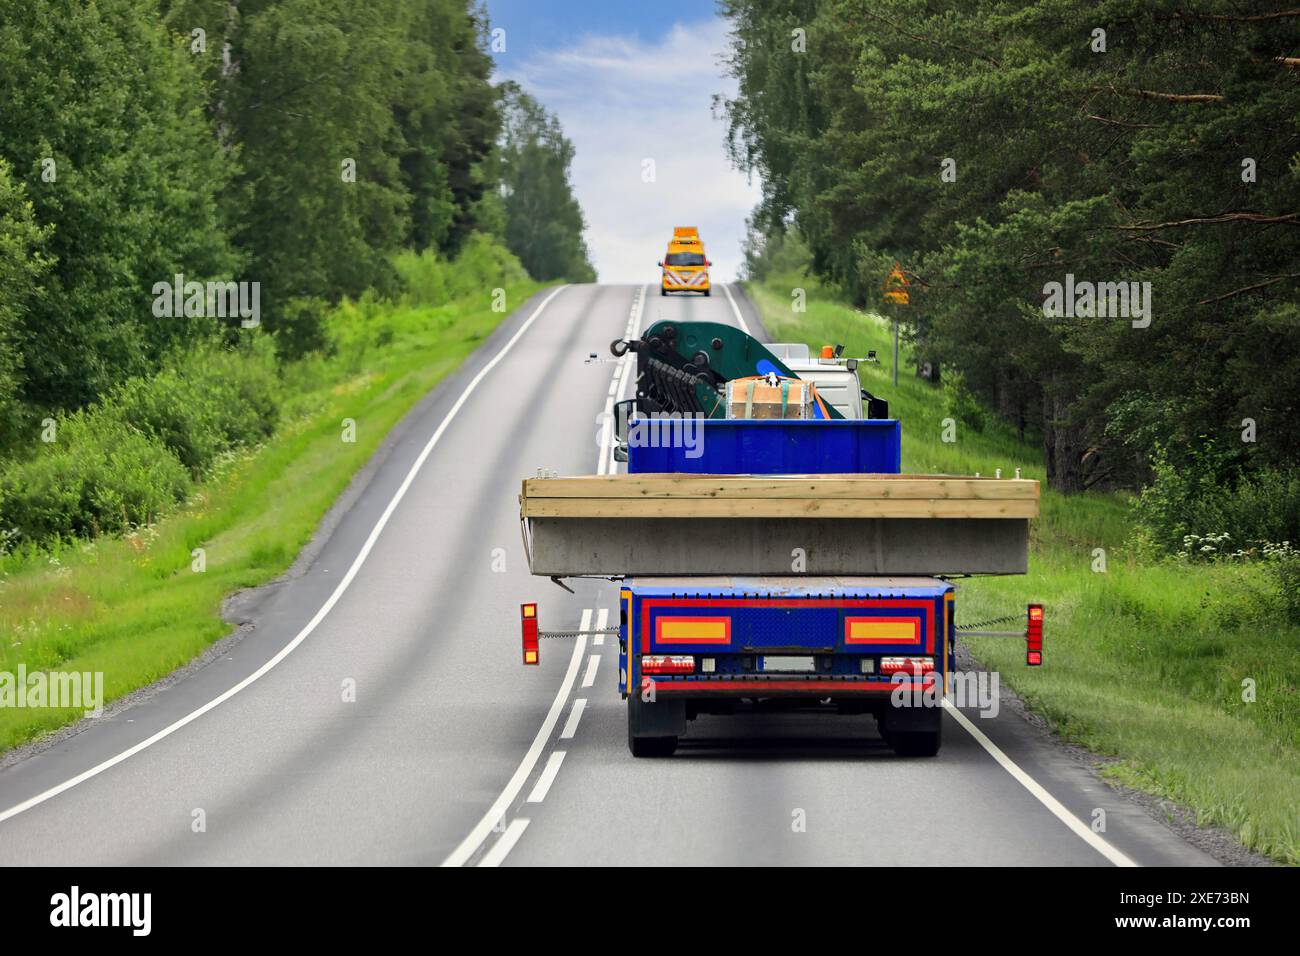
(896, 286)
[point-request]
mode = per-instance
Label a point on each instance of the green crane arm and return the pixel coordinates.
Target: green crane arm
(682, 366)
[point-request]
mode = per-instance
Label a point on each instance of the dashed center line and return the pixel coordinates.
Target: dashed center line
(589, 678)
(497, 854)
(543, 786)
(575, 715)
(602, 619)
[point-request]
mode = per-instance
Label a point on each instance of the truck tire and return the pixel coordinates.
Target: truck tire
(653, 728)
(916, 743)
(651, 746)
(663, 291)
(912, 731)
(708, 292)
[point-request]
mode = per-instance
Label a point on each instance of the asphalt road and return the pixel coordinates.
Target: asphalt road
(453, 752)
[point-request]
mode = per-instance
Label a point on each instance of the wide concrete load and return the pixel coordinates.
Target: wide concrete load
(821, 524)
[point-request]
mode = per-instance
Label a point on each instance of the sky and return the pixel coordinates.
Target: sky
(631, 81)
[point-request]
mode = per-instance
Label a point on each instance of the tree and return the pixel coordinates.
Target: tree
(994, 147)
(544, 222)
(22, 267)
(104, 124)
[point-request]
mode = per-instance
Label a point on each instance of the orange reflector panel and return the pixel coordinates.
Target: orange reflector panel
(693, 630)
(882, 630)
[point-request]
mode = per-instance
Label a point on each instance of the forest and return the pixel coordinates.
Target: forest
(1140, 156)
(296, 153)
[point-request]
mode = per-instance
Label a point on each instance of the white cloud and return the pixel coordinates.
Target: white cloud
(622, 100)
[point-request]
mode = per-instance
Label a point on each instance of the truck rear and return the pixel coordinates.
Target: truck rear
(726, 645)
(779, 559)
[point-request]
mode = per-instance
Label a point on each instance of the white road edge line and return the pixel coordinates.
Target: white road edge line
(736, 309)
(497, 811)
(543, 785)
(469, 846)
(589, 678)
(1058, 809)
(575, 715)
(324, 608)
(497, 854)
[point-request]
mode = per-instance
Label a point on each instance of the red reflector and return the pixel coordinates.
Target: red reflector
(1034, 636)
(528, 617)
(667, 664)
(906, 665)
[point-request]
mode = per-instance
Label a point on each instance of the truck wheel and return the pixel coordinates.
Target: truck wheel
(916, 743)
(653, 728)
(707, 293)
(663, 291)
(651, 746)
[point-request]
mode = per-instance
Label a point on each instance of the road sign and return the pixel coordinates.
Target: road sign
(896, 286)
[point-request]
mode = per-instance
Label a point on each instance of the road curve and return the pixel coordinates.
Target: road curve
(453, 752)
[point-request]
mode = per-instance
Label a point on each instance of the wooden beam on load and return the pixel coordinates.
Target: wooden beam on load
(795, 496)
(776, 508)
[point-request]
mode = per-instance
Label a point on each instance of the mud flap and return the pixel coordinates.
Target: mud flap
(662, 718)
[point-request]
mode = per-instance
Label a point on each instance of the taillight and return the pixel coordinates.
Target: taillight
(1034, 636)
(528, 618)
(906, 665)
(667, 664)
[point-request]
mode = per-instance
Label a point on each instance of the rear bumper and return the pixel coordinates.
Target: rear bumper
(671, 285)
(812, 687)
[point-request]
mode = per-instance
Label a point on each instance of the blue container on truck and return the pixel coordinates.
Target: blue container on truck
(741, 446)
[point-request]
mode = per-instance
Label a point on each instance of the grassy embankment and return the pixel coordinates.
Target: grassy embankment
(132, 607)
(1144, 661)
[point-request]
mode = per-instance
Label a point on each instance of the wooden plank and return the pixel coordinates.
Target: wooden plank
(728, 507)
(783, 487)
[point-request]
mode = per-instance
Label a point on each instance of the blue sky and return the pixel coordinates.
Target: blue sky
(534, 26)
(632, 83)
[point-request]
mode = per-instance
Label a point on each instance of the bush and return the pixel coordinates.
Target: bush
(206, 403)
(483, 264)
(100, 476)
(1284, 563)
(129, 459)
(300, 328)
(961, 405)
(1199, 506)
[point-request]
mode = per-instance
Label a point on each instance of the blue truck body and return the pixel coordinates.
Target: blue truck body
(774, 447)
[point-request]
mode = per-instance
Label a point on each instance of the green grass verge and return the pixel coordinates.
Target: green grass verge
(1146, 661)
(134, 609)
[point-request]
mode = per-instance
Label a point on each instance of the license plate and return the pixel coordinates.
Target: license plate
(788, 665)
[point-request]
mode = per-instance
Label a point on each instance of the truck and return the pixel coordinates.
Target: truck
(685, 268)
(779, 559)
